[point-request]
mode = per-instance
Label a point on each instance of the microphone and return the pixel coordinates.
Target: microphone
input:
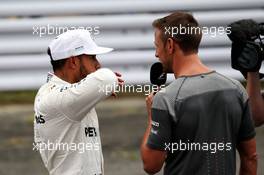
(157, 76)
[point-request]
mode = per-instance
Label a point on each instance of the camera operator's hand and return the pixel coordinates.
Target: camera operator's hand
(245, 74)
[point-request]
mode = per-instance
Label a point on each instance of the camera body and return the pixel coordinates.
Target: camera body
(247, 51)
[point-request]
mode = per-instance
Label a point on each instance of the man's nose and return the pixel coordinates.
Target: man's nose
(98, 66)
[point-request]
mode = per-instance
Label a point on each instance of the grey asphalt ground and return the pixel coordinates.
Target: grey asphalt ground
(122, 125)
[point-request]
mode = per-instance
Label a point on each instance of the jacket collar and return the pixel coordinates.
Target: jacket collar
(56, 80)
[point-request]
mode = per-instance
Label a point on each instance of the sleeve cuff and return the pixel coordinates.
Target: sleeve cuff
(248, 136)
(155, 146)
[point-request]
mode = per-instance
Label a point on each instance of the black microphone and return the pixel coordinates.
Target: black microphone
(157, 76)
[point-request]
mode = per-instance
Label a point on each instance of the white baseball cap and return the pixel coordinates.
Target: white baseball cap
(74, 43)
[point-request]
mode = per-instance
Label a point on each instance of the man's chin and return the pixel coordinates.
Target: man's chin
(166, 69)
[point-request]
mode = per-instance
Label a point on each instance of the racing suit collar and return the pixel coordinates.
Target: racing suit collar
(51, 77)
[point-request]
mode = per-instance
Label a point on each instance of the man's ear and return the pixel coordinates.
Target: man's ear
(170, 46)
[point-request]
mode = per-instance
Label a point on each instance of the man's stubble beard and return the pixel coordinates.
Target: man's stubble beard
(83, 71)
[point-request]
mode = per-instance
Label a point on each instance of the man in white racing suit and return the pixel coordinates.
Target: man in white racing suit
(66, 130)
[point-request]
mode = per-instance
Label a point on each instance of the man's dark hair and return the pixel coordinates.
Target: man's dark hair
(189, 40)
(58, 64)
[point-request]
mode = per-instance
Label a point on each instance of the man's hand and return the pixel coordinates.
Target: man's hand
(120, 82)
(149, 101)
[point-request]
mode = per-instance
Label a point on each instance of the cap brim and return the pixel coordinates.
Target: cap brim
(99, 50)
